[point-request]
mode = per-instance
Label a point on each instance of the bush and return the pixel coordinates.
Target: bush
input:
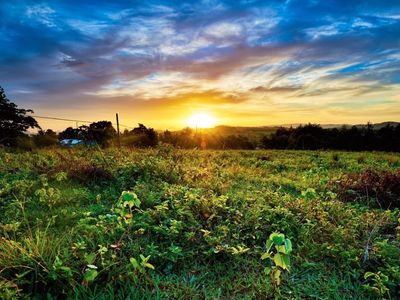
(383, 188)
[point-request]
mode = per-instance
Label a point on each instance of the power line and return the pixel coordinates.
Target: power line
(76, 121)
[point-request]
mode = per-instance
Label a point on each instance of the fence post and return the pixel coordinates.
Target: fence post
(119, 140)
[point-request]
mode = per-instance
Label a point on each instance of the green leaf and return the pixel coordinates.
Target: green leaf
(266, 255)
(134, 262)
(148, 265)
(130, 204)
(368, 275)
(130, 198)
(19, 276)
(66, 270)
(269, 244)
(90, 258)
(277, 238)
(267, 270)
(127, 196)
(90, 275)
(137, 202)
(277, 276)
(281, 249)
(282, 260)
(286, 259)
(288, 246)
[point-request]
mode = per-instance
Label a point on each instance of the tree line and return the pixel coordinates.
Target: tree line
(313, 136)
(14, 124)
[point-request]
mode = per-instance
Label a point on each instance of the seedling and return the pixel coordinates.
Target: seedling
(278, 249)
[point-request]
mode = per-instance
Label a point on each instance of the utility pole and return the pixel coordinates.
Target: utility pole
(119, 140)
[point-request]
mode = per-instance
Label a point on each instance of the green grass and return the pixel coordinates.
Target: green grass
(60, 212)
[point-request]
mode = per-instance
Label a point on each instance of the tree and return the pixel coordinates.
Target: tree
(69, 133)
(141, 136)
(45, 138)
(101, 132)
(13, 121)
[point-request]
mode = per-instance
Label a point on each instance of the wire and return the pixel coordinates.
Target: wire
(76, 121)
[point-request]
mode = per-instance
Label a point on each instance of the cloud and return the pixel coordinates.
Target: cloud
(277, 89)
(212, 53)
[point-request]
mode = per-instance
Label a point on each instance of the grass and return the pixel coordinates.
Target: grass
(66, 231)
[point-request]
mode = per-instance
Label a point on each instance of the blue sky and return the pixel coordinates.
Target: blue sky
(244, 62)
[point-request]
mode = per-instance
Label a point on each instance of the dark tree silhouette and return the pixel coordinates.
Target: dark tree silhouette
(13, 121)
(313, 136)
(141, 136)
(45, 138)
(70, 133)
(101, 132)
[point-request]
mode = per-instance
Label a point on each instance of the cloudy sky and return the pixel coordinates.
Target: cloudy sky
(244, 62)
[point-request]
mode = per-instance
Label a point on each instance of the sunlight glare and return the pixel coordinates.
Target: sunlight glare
(201, 120)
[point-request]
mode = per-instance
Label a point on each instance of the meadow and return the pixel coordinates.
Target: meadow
(191, 224)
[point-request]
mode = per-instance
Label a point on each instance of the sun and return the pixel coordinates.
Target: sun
(201, 120)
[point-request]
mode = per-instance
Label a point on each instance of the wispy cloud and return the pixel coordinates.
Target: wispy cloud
(254, 57)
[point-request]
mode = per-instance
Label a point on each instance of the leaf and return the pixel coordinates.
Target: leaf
(277, 238)
(267, 270)
(282, 260)
(137, 202)
(127, 196)
(130, 204)
(134, 262)
(368, 275)
(66, 270)
(288, 246)
(269, 244)
(19, 276)
(148, 265)
(277, 276)
(266, 255)
(90, 275)
(281, 249)
(130, 198)
(90, 258)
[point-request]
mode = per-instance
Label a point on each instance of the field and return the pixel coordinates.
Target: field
(190, 224)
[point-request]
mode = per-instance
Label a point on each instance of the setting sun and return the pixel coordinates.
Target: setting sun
(201, 120)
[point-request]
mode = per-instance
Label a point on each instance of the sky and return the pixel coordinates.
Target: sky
(245, 63)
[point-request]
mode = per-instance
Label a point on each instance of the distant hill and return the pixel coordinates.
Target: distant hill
(257, 132)
(376, 125)
(381, 125)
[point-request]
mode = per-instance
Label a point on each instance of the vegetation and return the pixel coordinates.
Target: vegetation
(101, 133)
(188, 224)
(313, 137)
(13, 121)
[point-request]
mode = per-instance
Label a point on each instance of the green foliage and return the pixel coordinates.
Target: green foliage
(90, 274)
(376, 283)
(13, 121)
(125, 206)
(278, 249)
(74, 222)
(140, 266)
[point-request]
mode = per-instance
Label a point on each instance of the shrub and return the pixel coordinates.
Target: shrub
(382, 188)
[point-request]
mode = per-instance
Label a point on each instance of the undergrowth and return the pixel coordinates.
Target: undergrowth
(183, 224)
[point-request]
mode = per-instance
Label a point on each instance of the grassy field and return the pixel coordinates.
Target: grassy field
(184, 224)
